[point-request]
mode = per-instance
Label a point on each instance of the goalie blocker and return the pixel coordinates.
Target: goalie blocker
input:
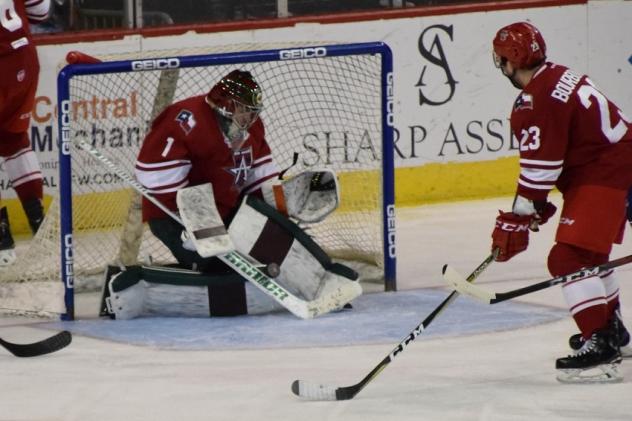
(262, 233)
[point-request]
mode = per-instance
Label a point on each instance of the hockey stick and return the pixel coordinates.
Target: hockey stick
(238, 262)
(320, 392)
(455, 280)
(45, 346)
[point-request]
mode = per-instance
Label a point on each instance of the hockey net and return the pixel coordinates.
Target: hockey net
(329, 110)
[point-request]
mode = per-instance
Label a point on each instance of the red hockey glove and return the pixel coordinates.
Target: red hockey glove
(511, 235)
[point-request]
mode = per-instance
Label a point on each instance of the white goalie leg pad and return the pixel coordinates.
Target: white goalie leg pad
(309, 196)
(305, 270)
(202, 221)
(259, 302)
(170, 292)
(127, 303)
(145, 299)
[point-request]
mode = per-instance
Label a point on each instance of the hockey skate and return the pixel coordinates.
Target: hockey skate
(7, 245)
(34, 213)
(576, 341)
(595, 362)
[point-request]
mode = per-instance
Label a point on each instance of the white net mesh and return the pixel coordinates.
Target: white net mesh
(328, 110)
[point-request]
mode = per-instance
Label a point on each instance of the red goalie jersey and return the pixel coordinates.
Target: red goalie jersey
(186, 147)
(569, 134)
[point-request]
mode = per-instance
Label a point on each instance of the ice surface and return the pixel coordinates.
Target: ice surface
(474, 362)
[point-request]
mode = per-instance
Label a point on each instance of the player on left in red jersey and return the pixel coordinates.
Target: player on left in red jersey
(19, 73)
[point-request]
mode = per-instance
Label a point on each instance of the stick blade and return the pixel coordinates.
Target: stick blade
(315, 391)
(460, 284)
(45, 346)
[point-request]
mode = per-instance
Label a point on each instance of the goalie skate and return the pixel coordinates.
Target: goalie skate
(596, 362)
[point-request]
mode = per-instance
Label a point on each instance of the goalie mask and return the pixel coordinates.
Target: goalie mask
(237, 101)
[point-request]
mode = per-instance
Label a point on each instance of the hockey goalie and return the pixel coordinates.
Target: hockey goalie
(214, 190)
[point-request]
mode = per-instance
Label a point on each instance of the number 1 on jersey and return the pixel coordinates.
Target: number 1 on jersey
(167, 148)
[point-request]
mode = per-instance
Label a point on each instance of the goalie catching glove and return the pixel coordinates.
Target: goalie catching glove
(308, 197)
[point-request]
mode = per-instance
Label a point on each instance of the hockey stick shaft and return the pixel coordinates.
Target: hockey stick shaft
(571, 277)
(490, 297)
(235, 260)
(345, 393)
(46, 346)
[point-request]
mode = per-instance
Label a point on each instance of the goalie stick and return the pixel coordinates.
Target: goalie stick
(455, 280)
(238, 262)
(322, 392)
(45, 346)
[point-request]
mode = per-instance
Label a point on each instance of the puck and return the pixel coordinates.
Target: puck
(273, 270)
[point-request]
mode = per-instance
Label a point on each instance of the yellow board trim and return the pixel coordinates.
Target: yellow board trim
(414, 186)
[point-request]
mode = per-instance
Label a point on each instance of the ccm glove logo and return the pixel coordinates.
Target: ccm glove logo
(511, 226)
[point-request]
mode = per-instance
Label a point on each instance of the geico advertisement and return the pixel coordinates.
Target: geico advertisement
(450, 103)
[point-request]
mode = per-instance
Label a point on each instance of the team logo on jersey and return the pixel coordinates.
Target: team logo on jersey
(186, 120)
(242, 163)
(524, 102)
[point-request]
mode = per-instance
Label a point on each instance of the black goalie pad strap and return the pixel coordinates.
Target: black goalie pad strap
(300, 235)
(227, 300)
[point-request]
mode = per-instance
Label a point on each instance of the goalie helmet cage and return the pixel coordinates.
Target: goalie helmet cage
(333, 104)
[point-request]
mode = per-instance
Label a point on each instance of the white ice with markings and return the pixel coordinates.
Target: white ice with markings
(475, 362)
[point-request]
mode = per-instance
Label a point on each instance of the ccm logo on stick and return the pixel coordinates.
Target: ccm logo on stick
(302, 53)
(156, 64)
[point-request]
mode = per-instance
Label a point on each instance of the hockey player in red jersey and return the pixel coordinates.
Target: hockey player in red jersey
(207, 138)
(570, 136)
(19, 72)
(219, 139)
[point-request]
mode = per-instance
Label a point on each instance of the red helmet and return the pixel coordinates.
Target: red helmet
(521, 44)
(238, 100)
